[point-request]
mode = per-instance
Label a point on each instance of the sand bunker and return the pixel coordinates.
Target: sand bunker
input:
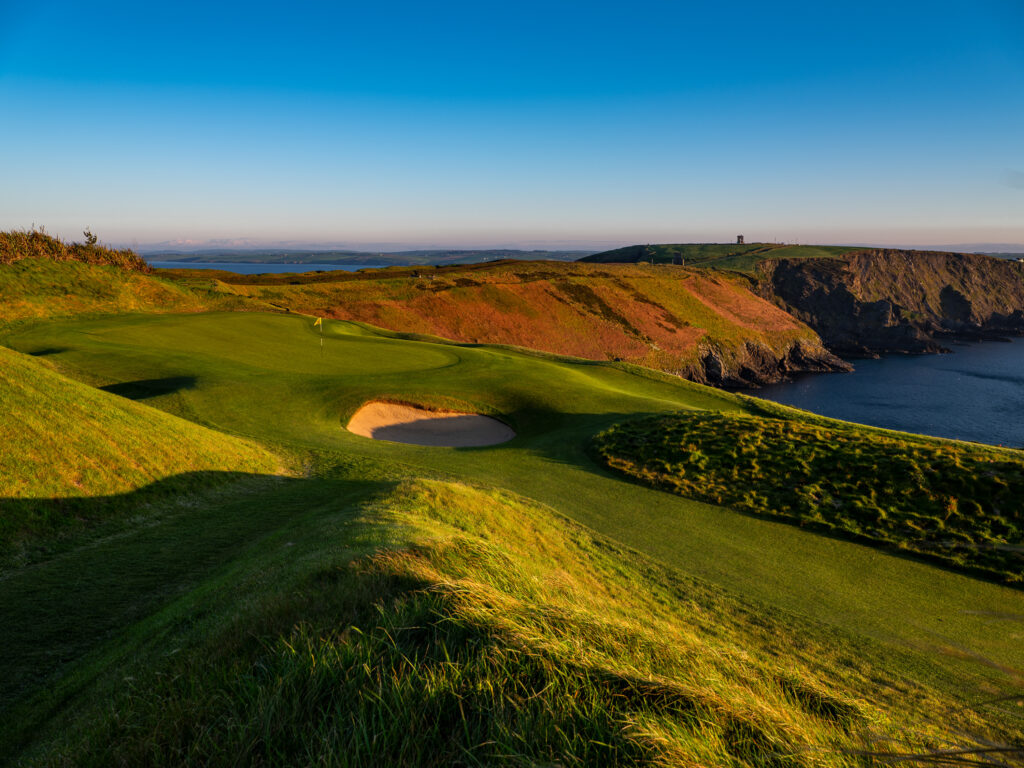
(418, 426)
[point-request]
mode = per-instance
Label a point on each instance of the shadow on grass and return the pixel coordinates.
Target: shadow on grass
(122, 558)
(46, 351)
(147, 388)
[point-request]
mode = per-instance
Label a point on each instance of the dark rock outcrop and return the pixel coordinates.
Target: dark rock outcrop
(881, 300)
(755, 364)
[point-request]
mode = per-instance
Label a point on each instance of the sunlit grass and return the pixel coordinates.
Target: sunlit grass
(61, 441)
(957, 503)
(484, 628)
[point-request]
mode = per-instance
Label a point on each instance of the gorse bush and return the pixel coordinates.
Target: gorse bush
(16, 245)
(960, 504)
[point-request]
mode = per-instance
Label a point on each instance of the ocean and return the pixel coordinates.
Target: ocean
(246, 268)
(975, 393)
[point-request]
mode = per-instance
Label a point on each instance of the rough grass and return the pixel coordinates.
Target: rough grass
(35, 288)
(43, 277)
(957, 503)
(64, 441)
(486, 630)
(16, 245)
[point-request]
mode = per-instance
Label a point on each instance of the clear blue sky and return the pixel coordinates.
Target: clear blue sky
(533, 123)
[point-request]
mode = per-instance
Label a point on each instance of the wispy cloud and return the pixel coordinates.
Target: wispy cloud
(1015, 179)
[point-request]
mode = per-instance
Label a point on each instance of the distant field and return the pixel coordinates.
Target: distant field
(740, 258)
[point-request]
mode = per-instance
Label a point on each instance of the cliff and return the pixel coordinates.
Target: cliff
(875, 301)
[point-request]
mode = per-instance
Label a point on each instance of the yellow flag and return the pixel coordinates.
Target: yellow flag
(319, 321)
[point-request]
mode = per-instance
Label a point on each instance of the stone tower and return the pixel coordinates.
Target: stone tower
(739, 239)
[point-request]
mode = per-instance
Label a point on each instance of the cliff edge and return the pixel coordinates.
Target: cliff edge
(878, 301)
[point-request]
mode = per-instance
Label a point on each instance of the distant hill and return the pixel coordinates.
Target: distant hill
(735, 256)
(877, 301)
(374, 258)
(706, 326)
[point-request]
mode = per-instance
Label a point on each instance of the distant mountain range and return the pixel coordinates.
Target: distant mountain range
(370, 258)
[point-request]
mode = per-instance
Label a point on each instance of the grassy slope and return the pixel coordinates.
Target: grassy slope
(485, 629)
(663, 318)
(276, 562)
(958, 503)
(263, 376)
(64, 441)
(40, 288)
(741, 258)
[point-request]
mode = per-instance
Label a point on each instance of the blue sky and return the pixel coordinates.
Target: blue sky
(532, 124)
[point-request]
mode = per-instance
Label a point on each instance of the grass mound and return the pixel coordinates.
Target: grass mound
(40, 288)
(62, 440)
(484, 629)
(960, 504)
(16, 245)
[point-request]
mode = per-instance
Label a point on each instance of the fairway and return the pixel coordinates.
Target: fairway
(264, 377)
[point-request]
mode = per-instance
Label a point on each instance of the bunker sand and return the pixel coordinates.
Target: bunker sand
(418, 426)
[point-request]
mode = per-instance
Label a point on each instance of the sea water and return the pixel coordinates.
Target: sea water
(249, 268)
(975, 393)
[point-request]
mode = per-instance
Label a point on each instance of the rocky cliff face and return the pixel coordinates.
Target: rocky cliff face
(754, 364)
(882, 300)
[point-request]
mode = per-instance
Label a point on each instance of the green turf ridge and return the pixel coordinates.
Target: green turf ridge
(36, 290)
(956, 503)
(159, 592)
(65, 444)
(434, 623)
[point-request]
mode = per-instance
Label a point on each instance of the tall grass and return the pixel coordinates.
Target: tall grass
(488, 630)
(16, 245)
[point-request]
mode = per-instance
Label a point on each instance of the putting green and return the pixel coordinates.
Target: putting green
(263, 376)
